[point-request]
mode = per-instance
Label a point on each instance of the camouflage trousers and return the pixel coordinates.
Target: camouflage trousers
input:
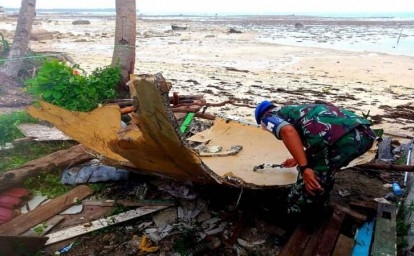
(325, 163)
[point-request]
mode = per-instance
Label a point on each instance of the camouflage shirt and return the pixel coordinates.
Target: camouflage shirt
(317, 124)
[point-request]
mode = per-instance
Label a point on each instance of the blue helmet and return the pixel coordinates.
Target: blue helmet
(261, 109)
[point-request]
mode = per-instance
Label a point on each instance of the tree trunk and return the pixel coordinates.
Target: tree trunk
(125, 33)
(21, 39)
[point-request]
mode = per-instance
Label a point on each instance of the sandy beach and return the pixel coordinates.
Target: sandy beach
(355, 64)
(207, 59)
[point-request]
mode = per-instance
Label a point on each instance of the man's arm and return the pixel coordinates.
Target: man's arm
(293, 143)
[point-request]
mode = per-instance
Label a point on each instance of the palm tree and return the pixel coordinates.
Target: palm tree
(125, 34)
(21, 39)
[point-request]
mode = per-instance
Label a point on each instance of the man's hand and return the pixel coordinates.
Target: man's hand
(311, 183)
(290, 162)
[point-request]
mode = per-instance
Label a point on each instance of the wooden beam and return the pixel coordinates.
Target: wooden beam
(356, 215)
(313, 242)
(344, 246)
(101, 223)
(365, 205)
(330, 233)
(43, 212)
(385, 231)
(297, 242)
(44, 227)
(59, 159)
(390, 167)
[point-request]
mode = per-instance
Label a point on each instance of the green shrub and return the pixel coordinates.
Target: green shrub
(69, 86)
(9, 123)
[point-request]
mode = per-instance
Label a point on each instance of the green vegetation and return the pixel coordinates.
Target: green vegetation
(9, 123)
(119, 208)
(40, 228)
(403, 224)
(47, 184)
(61, 84)
(69, 86)
(22, 153)
(97, 187)
(4, 46)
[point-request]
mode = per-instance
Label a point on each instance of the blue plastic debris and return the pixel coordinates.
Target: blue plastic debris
(397, 189)
(64, 249)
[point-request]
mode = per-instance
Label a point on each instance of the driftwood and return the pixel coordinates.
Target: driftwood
(183, 104)
(388, 167)
(60, 159)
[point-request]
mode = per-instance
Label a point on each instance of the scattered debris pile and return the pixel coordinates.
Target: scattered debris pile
(178, 186)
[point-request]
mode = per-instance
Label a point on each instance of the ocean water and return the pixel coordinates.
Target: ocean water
(381, 35)
(390, 33)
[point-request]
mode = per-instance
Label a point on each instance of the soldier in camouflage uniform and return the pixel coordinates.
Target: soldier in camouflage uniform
(322, 138)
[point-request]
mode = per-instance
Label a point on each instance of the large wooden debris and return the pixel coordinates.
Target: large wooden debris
(153, 144)
(93, 129)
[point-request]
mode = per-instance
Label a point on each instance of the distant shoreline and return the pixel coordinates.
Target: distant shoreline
(379, 35)
(340, 15)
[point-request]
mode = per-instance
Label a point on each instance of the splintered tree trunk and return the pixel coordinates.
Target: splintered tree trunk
(125, 33)
(21, 39)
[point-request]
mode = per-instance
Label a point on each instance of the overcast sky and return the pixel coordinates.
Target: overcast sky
(234, 6)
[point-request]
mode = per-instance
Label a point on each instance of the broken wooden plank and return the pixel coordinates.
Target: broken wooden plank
(297, 243)
(385, 231)
(44, 227)
(356, 215)
(344, 246)
(101, 223)
(365, 205)
(40, 132)
(59, 159)
(21, 245)
(128, 203)
(314, 240)
(363, 239)
(26, 221)
(389, 167)
(330, 233)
